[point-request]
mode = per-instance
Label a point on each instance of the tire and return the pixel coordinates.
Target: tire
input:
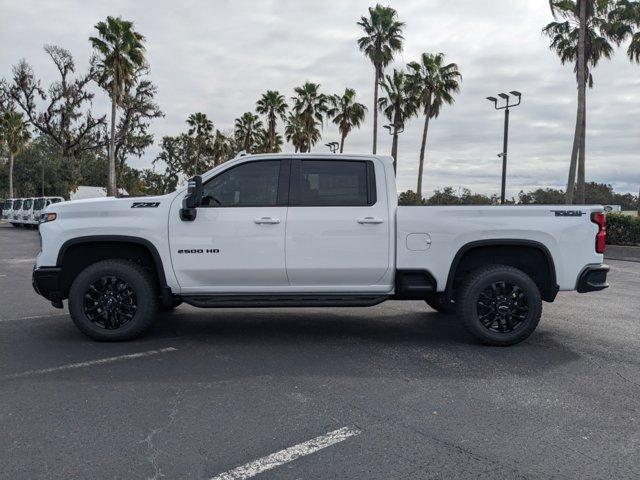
(499, 305)
(175, 303)
(113, 301)
(440, 304)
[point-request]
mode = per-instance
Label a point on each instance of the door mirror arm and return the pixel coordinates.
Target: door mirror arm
(192, 200)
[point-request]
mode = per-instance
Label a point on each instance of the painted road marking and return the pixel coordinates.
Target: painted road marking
(34, 317)
(287, 455)
(91, 363)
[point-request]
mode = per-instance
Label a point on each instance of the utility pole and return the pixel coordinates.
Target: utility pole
(505, 139)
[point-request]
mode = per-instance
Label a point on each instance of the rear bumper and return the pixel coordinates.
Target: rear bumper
(47, 281)
(593, 278)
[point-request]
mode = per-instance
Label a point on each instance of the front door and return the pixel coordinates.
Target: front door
(236, 242)
(338, 226)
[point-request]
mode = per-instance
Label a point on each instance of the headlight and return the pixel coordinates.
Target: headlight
(48, 217)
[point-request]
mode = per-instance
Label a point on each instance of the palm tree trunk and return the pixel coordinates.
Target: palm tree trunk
(394, 152)
(582, 38)
(342, 138)
(375, 110)
(581, 159)
(423, 148)
(111, 190)
(272, 133)
(11, 175)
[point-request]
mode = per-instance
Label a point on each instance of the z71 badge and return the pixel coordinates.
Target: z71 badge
(145, 204)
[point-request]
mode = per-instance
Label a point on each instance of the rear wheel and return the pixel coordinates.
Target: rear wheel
(499, 305)
(113, 300)
(440, 303)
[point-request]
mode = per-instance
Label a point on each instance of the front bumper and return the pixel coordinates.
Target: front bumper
(47, 281)
(593, 278)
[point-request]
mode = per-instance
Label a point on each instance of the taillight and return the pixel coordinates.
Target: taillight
(600, 219)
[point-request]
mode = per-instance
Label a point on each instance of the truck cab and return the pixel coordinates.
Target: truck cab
(312, 230)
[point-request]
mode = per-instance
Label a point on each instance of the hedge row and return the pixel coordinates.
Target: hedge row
(623, 229)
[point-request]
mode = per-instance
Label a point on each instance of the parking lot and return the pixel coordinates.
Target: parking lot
(393, 391)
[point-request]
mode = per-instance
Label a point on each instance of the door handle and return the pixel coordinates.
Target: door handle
(372, 220)
(267, 221)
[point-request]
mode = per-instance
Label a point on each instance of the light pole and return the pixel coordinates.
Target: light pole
(505, 140)
(333, 146)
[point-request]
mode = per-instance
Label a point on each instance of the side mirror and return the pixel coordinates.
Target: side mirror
(192, 200)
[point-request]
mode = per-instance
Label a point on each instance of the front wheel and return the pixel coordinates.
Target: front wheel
(499, 305)
(113, 300)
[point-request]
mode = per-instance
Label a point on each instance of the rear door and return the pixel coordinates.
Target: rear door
(236, 242)
(338, 225)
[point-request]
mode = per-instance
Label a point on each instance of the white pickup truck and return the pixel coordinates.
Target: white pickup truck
(312, 230)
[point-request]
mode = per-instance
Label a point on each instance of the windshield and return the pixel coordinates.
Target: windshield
(27, 204)
(7, 204)
(38, 204)
(17, 205)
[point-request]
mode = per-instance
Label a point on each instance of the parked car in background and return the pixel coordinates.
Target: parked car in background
(6, 209)
(15, 213)
(26, 217)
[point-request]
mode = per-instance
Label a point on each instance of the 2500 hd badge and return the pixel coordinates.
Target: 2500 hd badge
(200, 250)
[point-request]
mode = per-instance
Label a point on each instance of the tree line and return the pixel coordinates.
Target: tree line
(56, 123)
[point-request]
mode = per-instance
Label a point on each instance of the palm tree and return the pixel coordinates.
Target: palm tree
(273, 105)
(201, 128)
(346, 113)
(224, 147)
(121, 53)
(435, 83)
(294, 132)
(400, 104)
(383, 37)
(582, 38)
(15, 134)
(247, 131)
(310, 105)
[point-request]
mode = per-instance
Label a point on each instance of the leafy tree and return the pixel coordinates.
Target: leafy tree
(14, 133)
(178, 156)
(435, 83)
(202, 131)
(542, 196)
(310, 105)
(121, 52)
(132, 131)
(247, 131)
(383, 38)
(580, 34)
(66, 116)
(410, 198)
(346, 113)
(399, 104)
(273, 105)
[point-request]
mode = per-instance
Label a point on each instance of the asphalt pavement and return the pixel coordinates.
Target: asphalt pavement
(395, 391)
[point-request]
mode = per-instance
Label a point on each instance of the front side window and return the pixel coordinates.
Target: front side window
(335, 183)
(253, 184)
(17, 205)
(7, 204)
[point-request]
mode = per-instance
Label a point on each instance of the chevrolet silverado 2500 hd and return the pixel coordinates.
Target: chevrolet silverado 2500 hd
(312, 230)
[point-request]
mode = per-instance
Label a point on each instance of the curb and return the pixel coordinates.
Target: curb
(620, 252)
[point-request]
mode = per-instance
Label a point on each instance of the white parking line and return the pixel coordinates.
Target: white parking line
(91, 363)
(287, 455)
(34, 317)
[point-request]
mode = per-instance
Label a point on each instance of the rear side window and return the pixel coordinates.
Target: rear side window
(17, 205)
(54, 200)
(27, 204)
(331, 183)
(253, 184)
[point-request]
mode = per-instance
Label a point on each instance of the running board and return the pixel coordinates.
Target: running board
(279, 300)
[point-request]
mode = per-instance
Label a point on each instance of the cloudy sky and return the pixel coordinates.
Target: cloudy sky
(218, 56)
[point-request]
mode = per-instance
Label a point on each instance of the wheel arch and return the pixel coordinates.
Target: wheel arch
(505, 251)
(102, 247)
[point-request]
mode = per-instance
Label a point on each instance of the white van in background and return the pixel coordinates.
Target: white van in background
(40, 204)
(15, 214)
(26, 216)
(6, 209)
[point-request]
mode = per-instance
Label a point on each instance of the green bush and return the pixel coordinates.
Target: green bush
(623, 230)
